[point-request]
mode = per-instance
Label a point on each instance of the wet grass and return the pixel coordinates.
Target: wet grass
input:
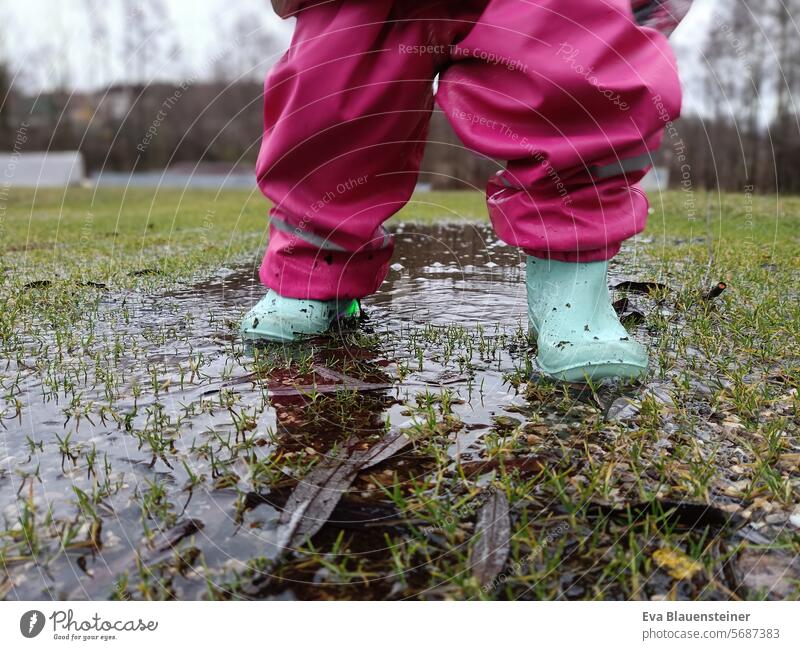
(146, 454)
(118, 234)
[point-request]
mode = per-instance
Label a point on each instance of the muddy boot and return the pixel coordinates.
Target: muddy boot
(275, 318)
(577, 330)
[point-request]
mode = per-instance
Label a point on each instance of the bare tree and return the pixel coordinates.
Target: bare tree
(6, 103)
(753, 55)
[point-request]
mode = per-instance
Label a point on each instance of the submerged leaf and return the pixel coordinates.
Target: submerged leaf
(346, 382)
(493, 532)
(350, 512)
(181, 530)
(314, 499)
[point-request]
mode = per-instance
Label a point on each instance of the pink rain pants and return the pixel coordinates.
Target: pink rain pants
(574, 94)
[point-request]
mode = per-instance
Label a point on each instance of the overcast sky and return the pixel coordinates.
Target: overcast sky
(54, 42)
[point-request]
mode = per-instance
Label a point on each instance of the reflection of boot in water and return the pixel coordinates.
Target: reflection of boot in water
(338, 395)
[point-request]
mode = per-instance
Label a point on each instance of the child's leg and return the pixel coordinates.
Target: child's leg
(575, 96)
(346, 115)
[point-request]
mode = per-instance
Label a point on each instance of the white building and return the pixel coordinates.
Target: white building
(656, 180)
(42, 169)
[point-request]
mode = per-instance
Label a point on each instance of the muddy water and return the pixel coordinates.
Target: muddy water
(452, 275)
(158, 435)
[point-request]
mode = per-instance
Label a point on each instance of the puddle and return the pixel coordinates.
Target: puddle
(180, 449)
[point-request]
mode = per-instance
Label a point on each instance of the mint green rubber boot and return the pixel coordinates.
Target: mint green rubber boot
(577, 330)
(275, 318)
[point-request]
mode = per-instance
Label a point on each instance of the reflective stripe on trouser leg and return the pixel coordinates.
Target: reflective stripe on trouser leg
(623, 166)
(322, 243)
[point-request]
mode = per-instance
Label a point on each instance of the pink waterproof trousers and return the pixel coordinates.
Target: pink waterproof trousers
(574, 95)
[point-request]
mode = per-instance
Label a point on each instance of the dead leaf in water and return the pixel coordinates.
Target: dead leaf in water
(790, 461)
(180, 531)
(679, 565)
(622, 409)
(632, 319)
(714, 291)
(645, 288)
(493, 532)
(523, 464)
(314, 499)
(38, 284)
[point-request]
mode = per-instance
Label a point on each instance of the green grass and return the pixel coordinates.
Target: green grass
(69, 232)
(110, 233)
(103, 409)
